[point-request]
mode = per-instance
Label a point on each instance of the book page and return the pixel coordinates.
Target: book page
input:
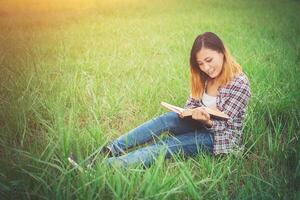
(178, 110)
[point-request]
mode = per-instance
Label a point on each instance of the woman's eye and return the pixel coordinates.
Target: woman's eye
(209, 60)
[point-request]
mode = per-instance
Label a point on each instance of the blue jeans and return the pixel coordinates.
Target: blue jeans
(187, 136)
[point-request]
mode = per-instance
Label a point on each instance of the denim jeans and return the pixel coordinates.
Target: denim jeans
(187, 136)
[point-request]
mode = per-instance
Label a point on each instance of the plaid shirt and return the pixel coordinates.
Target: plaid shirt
(232, 100)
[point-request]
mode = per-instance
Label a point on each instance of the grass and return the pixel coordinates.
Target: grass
(74, 76)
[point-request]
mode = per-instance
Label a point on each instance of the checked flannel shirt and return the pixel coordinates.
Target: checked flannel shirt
(232, 100)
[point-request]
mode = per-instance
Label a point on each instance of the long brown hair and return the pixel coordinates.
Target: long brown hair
(230, 67)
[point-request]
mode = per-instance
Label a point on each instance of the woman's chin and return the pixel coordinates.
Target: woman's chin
(214, 75)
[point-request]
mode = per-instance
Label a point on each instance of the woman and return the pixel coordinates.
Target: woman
(217, 81)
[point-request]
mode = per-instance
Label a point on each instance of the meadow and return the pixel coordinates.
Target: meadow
(77, 74)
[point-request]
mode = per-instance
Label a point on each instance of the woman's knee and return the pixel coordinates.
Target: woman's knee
(171, 119)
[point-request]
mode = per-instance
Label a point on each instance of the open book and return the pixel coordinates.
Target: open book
(188, 112)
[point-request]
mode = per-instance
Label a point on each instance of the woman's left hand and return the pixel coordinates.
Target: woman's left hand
(201, 115)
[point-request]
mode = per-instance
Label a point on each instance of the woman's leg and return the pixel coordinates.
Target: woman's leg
(151, 129)
(189, 143)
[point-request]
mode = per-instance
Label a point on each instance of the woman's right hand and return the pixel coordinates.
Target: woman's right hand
(181, 116)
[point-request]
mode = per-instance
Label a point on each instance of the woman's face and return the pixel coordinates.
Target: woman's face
(210, 61)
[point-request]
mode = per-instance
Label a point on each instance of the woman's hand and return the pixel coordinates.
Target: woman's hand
(200, 114)
(181, 116)
(185, 113)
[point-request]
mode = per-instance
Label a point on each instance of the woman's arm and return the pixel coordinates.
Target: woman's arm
(238, 97)
(234, 107)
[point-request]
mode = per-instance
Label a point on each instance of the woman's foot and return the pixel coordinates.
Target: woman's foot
(73, 161)
(106, 151)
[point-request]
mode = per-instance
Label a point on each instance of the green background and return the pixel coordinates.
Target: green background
(77, 74)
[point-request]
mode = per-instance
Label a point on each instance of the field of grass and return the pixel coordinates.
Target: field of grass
(76, 75)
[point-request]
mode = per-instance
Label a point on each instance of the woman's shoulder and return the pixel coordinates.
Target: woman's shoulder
(243, 78)
(240, 79)
(239, 84)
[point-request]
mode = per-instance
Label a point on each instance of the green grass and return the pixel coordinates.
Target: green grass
(72, 79)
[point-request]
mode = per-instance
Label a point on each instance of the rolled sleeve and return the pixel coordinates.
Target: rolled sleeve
(192, 103)
(217, 125)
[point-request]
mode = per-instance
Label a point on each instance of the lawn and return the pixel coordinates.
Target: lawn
(77, 74)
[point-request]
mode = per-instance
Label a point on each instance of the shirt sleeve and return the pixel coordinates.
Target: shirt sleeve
(192, 103)
(234, 107)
